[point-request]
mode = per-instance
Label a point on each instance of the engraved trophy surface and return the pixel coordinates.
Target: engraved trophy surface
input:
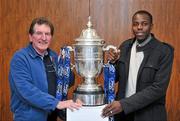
(88, 57)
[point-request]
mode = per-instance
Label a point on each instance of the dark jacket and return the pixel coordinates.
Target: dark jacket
(148, 104)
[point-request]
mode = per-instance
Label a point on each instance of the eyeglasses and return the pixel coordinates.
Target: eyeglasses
(38, 33)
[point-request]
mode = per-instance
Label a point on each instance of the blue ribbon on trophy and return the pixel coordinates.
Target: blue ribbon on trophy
(109, 84)
(63, 73)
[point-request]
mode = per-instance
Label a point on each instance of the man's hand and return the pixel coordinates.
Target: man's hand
(69, 104)
(113, 56)
(112, 109)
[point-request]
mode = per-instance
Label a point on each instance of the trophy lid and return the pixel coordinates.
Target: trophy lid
(89, 34)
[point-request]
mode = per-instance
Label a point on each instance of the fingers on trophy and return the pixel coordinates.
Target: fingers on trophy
(70, 104)
(113, 55)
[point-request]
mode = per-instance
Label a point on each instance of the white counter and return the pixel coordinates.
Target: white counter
(86, 113)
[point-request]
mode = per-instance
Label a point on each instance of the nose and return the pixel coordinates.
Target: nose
(139, 26)
(43, 36)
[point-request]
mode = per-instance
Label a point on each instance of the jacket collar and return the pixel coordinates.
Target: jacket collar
(144, 42)
(32, 52)
(150, 45)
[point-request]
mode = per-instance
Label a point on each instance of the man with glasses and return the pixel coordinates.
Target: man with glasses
(33, 77)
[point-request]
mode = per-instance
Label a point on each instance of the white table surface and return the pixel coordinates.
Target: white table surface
(86, 113)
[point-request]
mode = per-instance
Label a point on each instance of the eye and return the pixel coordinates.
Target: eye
(135, 24)
(48, 34)
(38, 33)
(144, 24)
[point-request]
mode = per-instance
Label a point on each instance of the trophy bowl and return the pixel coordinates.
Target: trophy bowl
(88, 61)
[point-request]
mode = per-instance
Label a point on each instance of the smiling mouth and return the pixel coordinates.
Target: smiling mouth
(140, 34)
(43, 43)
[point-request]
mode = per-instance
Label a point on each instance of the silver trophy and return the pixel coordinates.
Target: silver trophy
(88, 56)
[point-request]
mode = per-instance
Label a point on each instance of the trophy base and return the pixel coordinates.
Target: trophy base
(90, 97)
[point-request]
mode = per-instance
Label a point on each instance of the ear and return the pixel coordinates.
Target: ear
(152, 26)
(30, 37)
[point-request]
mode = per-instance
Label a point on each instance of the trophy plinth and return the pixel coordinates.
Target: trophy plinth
(90, 95)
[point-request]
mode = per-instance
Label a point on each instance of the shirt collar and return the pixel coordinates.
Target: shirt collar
(145, 42)
(45, 54)
(34, 54)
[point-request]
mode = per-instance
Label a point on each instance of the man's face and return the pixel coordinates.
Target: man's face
(141, 26)
(41, 38)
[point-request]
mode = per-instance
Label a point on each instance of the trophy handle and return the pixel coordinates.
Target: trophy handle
(71, 49)
(110, 47)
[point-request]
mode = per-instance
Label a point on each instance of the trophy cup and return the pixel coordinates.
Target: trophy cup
(88, 57)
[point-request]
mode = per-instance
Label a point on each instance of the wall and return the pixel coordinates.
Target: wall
(112, 21)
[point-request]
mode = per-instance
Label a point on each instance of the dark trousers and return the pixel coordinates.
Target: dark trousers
(122, 117)
(57, 113)
(52, 116)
